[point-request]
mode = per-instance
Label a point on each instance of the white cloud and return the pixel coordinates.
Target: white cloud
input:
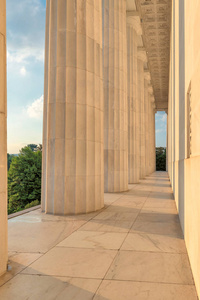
(164, 118)
(159, 130)
(23, 71)
(35, 109)
(25, 31)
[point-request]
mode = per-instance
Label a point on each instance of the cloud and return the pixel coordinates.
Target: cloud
(25, 31)
(159, 130)
(23, 71)
(35, 109)
(164, 118)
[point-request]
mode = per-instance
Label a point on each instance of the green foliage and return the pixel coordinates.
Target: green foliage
(32, 204)
(33, 147)
(9, 160)
(160, 159)
(24, 179)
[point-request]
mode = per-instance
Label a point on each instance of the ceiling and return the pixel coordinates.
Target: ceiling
(156, 22)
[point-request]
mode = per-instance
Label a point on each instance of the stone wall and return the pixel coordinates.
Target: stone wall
(184, 124)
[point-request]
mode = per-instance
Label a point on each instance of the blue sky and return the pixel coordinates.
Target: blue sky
(25, 73)
(161, 124)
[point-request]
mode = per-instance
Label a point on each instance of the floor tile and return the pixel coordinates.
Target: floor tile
(153, 243)
(164, 203)
(109, 198)
(39, 232)
(108, 226)
(158, 217)
(134, 244)
(34, 287)
(18, 262)
(73, 262)
(124, 290)
(172, 229)
(151, 267)
(161, 210)
(117, 216)
(94, 240)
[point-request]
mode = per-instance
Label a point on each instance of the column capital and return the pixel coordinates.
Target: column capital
(152, 99)
(154, 107)
(147, 75)
(142, 54)
(150, 89)
(135, 23)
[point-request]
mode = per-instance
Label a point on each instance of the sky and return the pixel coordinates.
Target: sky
(25, 71)
(25, 75)
(161, 124)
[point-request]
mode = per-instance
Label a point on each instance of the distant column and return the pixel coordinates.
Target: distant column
(154, 139)
(115, 96)
(147, 78)
(3, 141)
(133, 30)
(73, 108)
(152, 160)
(167, 141)
(141, 128)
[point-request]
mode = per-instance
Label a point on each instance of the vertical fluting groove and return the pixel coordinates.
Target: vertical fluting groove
(146, 125)
(141, 116)
(146, 128)
(45, 118)
(138, 112)
(142, 125)
(74, 173)
(115, 102)
(131, 96)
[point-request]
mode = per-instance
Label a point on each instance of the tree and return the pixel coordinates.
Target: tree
(39, 147)
(160, 159)
(24, 179)
(33, 147)
(9, 160)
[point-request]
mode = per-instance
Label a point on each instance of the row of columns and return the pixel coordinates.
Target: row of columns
(99, 122)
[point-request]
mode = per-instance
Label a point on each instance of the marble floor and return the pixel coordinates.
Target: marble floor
(131, 249)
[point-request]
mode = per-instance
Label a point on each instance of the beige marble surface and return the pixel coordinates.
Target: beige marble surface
(73, 170)
(3, 141)
(137, 253)
(115, 96)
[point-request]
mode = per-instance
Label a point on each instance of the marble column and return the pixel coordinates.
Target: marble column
(73, 108)
(166, 111)
(141, 128)
(115, 96)
(154, 138)
(133, 30)
(146, 118)
(3, 141)
(152, 134)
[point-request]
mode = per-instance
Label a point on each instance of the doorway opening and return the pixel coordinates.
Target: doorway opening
(161, 140)
(25, 77)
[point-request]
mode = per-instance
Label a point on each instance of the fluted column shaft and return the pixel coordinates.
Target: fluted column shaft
(154, 142)
(73, 108)
(146, 120)
(131, 97)
(152, 137)
(115, 96)
(133, 30)
(3, 141)
(141, 127)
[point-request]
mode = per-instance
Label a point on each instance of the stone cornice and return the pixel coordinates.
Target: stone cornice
(141, 54)
(135, 22)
